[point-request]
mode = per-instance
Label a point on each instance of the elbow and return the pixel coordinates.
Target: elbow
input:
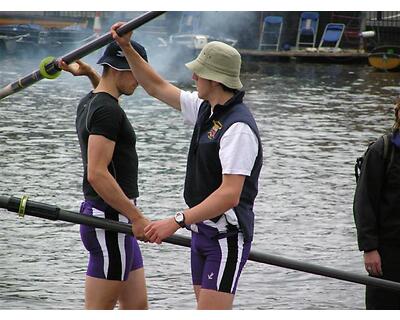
(93, 177)
(234, 200)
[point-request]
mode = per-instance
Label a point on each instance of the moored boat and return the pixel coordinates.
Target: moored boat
(385, 58)
(28, 38)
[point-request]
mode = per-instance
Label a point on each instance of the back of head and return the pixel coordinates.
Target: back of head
(219, 62)
(114, 57)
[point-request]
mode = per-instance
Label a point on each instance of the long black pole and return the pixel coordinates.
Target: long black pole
(36, 209)
(52, 68)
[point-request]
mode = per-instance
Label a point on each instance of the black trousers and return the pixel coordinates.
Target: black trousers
(381, 299)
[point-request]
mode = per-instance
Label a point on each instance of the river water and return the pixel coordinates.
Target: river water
(314, 120)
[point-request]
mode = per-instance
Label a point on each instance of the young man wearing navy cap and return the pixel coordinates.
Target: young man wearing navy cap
(107, 140)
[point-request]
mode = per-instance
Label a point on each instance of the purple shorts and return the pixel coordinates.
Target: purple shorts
(217, 263)
(112, 255)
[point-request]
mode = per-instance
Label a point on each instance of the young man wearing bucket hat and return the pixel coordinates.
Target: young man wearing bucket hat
(107, 139)
(224, 163)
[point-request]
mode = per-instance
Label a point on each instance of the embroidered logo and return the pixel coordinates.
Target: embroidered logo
(210, 276)
(216, 126)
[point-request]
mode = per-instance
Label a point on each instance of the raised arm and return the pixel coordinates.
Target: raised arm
(80, 68)
(147, 77)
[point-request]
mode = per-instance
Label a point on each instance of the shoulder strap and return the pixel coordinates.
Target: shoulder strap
(388, 152)
(385, 146)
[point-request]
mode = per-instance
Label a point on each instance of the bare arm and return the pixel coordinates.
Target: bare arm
(227, 196)
(100, 151)
(147, 77)
(80, 68)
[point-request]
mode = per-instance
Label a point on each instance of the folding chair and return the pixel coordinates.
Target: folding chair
(308, 27)
(332, 35)
(271, 33)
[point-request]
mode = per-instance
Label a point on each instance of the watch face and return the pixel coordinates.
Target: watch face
(179, 217)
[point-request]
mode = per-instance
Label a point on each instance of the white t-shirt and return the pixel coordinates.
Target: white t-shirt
(238, 150)
(239, 144)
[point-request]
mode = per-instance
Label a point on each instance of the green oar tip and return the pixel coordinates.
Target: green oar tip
(48, 69)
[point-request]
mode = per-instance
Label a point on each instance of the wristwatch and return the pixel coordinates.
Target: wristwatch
(180, 219)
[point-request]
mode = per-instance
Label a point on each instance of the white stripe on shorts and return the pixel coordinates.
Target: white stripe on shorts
(121, 245)
(101, 238)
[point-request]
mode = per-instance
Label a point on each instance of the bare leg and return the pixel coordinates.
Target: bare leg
(214, 300)
(101, 294)
(196, 289)
(134, 293)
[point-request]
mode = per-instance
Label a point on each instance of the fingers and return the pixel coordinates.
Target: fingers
(152, 234)
(153, 238)
(147, 228)
(370, 269)
(121, 40)
(379, 270)
(62, 65)
(80, 62)
(74, 67)
(117, 25)
(374, 269)
(114, 28)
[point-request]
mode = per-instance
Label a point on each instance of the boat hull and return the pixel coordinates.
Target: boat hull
(386, 58)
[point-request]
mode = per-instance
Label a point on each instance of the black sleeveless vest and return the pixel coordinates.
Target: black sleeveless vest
(204, 171)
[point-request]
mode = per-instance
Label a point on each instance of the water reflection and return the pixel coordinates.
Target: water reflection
(314, 121)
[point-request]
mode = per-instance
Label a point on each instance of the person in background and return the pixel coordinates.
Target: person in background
(223, 167)
(377, 218)
(107, 139)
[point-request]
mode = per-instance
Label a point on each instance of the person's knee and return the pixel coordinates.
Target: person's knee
(104, 304)
(137, 304)
(214, 300)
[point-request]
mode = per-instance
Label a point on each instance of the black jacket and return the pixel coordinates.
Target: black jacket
(377, 199)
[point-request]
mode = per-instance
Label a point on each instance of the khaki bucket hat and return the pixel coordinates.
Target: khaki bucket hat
(219, 62)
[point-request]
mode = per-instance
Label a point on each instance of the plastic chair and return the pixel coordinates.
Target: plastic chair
(271, 33)
(332, 35)
(308, 27)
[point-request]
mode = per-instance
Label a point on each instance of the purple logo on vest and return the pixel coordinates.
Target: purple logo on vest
(216, 126)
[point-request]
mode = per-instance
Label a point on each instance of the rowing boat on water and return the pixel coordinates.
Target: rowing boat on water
(386, 58)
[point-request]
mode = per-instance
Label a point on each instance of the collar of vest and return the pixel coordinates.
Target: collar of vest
(236, 99)
(219, 109)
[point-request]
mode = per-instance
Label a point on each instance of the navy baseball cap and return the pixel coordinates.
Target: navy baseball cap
(114, 57)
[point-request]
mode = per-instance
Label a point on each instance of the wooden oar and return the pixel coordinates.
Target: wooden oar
(49, 67)
(23, 206)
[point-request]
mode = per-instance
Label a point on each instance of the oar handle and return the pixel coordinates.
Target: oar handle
(50, 212)
(24, 206)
